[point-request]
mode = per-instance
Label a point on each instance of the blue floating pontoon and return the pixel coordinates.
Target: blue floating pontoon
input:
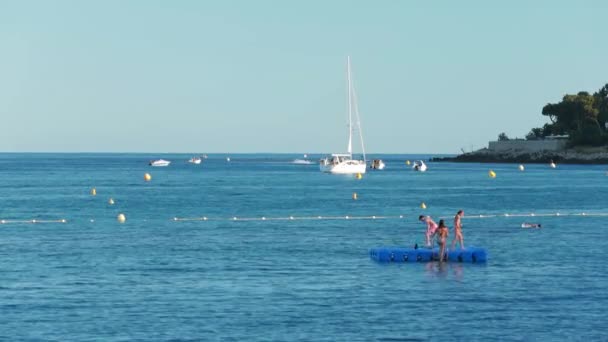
(399, 254)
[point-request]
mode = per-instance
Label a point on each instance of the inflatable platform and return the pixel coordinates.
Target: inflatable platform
(400, 254)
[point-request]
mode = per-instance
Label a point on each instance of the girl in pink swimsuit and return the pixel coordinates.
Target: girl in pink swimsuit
(431, 227)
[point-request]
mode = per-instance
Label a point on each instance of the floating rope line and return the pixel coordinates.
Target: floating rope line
(330, 217)
(32, 221)
(289, 218)
(381, 217)
(532, 215)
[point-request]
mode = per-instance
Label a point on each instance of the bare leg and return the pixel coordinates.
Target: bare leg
(442, 251)
(458, 238)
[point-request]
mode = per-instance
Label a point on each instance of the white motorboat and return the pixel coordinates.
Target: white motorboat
(419, 165)
(195, 160)
(377, 164)
(301, 161)
(159, 162)
(343, 163)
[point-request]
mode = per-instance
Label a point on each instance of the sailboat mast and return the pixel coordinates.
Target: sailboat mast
(350, 110)
(358, 122)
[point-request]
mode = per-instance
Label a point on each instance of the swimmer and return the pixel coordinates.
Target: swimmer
(458, 230)
(431, 226)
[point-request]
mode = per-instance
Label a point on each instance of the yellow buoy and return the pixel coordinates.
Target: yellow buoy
(147, 177)
(407, 162)
(121, 218)
(521, 167)
(93, 192)
(423, 205)
(111, 201)
(359, 176)
(355, 196)
(492, 174)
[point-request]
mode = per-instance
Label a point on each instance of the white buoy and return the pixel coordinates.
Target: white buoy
(111, 201)
(121, 218)
(521, 167)
(228, 159)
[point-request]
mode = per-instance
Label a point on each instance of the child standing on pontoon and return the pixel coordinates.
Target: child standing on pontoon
(431, 226)
(458, 230)
(442, 233)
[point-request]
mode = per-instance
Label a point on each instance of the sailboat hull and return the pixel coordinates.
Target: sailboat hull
(344, 168)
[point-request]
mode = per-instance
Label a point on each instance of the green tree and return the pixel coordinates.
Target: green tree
(578, 116)
(601, 102)
(535, 134)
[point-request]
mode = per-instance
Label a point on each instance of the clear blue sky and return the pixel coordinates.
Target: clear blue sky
(269, 76)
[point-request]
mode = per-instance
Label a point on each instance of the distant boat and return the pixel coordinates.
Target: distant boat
(531, 225)
(419, 166)
(301, 161)
(377, 164)
(343, 163)
(159, 162)
(195, 160)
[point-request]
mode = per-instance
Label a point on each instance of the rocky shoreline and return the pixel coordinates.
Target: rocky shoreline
(568, 156)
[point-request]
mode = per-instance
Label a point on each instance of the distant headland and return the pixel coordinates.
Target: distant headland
(577, 134)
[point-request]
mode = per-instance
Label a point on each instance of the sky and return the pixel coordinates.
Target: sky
(270, 76)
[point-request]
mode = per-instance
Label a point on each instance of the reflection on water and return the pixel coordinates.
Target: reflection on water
(444, 269)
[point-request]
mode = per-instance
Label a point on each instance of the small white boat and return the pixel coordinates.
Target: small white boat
(160, 162)
(195, 160)
(531, 225)
(419, 166)
(343, 163)
(377, 164)
(301, 161)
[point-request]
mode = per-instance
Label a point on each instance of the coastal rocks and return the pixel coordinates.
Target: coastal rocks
(591, 155)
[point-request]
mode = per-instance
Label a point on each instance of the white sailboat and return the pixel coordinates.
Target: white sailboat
(343, 163)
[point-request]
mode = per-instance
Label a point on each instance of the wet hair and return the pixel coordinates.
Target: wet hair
(441, 224)
(420, 217)
(459, 212)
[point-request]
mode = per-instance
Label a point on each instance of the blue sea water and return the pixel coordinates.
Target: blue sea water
(282, 279)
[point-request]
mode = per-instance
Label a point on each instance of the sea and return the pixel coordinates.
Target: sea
(260, 248)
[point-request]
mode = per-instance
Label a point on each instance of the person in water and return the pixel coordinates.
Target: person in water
(458, 230)
(442, 237)
(431, 226)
